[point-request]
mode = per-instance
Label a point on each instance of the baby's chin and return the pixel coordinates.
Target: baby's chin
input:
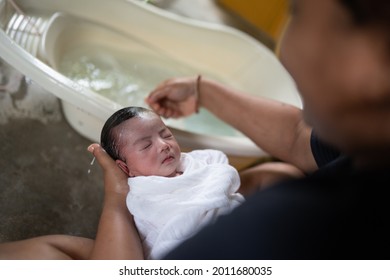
(174, 173)
(170, 168)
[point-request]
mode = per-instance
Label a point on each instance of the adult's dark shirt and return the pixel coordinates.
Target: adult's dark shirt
(338, 212)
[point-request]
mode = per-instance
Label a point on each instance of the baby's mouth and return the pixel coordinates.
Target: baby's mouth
(168, 159)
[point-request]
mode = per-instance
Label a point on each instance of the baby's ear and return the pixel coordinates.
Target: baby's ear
(122, 165)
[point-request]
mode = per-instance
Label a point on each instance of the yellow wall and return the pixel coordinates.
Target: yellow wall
(268, 15)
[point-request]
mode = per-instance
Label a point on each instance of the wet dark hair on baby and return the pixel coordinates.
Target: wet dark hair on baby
(108, 137)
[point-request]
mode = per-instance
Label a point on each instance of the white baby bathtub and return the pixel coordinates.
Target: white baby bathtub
(36, 36)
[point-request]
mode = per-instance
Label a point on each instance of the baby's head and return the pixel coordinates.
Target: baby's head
(140, 143)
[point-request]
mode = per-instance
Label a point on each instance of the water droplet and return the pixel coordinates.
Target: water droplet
(92, 162)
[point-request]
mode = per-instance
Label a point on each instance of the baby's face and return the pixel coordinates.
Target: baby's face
(148, 147)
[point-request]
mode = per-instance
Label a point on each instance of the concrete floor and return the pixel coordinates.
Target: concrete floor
(45, 187)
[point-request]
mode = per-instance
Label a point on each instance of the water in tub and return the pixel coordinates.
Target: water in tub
(127, 78)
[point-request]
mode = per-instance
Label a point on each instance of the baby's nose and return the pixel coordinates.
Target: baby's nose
(164, 146)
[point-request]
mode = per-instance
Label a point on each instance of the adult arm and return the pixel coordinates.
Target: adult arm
(278, 128)
(117, 236)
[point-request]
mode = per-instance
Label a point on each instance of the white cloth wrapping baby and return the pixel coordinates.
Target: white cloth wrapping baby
(169, 210)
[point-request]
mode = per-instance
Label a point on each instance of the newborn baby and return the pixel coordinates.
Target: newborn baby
(172, 194)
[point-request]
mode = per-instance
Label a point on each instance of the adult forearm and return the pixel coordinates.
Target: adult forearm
(276, 127)
(117, 236)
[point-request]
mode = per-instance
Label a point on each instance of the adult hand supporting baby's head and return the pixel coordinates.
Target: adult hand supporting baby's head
(115, 180)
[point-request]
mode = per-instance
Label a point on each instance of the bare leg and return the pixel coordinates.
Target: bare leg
(264, 175)
(49, 247)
